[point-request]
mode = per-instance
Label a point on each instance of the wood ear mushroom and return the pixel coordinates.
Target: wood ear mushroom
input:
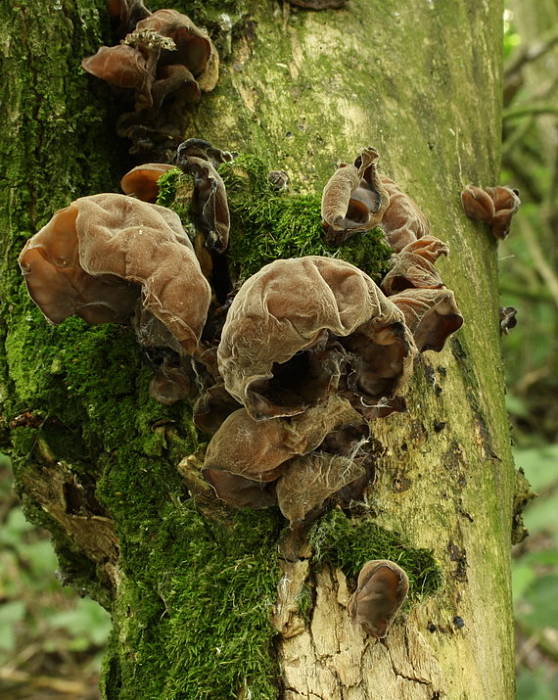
(381, 590)
(493, 205)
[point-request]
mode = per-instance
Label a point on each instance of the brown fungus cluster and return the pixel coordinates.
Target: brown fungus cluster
(492, 205)
(413, 283)
(161, 66)
(285, 372)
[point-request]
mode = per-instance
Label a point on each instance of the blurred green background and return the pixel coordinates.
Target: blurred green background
(51, 640)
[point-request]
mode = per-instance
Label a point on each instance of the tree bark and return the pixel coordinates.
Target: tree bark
(96, 460)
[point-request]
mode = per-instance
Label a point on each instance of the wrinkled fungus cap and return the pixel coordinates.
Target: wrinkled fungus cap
(353, 199)
(431, 314)
(311, 480)
(381, 590)
(494, 205)
(141, 181)
(257, 449)
(403, 221)
(124, 239)
(284, 314)
(414, 266)
(209, 201)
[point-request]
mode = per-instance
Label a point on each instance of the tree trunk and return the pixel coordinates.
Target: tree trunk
(96, 459)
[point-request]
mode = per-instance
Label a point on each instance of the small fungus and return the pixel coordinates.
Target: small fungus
(212, 408)
(311, 480)
(508, 319)
(431, 314)
(169, 384)
(319, 4)
(494, 205)
(403, 221)
(354, 199)
(94, 257)
(199, 148)
(414, 266)
(129, 13)
(288, 336)
(381, 590)
(278, 179)
(209, 201)
(141, 181)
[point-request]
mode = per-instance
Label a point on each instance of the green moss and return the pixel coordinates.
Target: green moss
(348, 543)
(305, 602)
(201, 603)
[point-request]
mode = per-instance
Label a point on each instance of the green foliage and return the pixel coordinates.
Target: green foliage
(348, 543)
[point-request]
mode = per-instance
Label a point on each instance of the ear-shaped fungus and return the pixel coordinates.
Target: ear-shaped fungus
(278, 354)
(93, 258)
(141, 181)
(431, 314)
(258, 450)
(413, 266)
(494, 205)
(199, 148)
(381, 590)
(209, 201)
(212, 408)
(311, 480)
(122, 66)
(194, 48)
(354, 199)
(403, 221)
(508, 319)
(240, 492)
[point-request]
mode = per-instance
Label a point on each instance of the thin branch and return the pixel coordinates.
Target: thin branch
(528, 54)
(529, 110)
(541, 263)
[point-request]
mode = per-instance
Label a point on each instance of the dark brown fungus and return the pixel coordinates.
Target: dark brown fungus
(198, 148)
(213, 407)
(170, 384)
(129, 13)
(170, 79)
(278, 179)
(353, 199)
(209, 202)
(122, 66)
(414, 266)
(494, 205)
(285, 342)
(141, 181)
(431, 314)
(508, 319)
(311, 480)
(95, 258)
(258, 450)
(194, 48)
(381, 590)
(240, 492)
(319, 4)
(403, 221)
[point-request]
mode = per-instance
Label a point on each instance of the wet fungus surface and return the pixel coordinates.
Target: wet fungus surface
(296, 324)
(141, 181)
(354, 199)
(381, 591)
(492, 205)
